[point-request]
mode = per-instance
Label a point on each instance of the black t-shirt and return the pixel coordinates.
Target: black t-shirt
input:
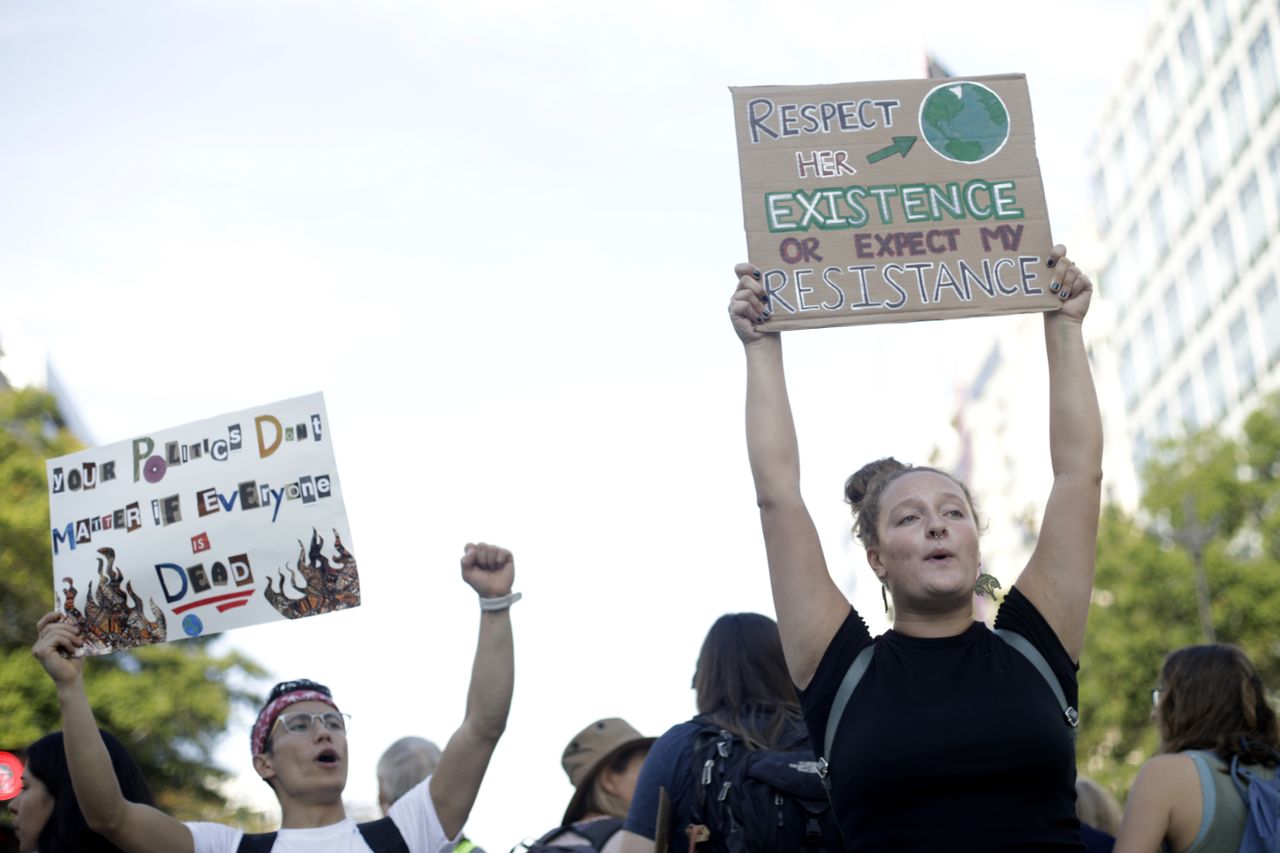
(954, 743)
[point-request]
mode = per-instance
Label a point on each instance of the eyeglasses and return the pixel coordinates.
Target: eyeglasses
(1155, 697)
(299, 722)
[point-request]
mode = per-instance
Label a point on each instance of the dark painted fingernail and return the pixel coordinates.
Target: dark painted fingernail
(766, 297)
(756, 275)
(1050, 263)
(1066, 294)
(1054, 287)
(768, 312)
(760, 319)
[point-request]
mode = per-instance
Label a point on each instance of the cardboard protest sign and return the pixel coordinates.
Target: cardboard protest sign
(218, 524)
(892, 201)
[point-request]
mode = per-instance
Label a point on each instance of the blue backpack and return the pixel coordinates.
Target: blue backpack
(1262, 799)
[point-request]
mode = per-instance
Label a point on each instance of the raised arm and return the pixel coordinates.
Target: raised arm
(809, 605)
(490, 571)
(132, 827)
(1059, 577)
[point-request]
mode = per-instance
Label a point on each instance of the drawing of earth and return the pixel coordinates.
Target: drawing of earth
(964, 122)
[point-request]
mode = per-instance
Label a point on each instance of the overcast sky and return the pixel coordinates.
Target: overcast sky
(499, 237)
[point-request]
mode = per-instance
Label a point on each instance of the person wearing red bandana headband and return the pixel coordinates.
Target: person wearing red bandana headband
(299, 745)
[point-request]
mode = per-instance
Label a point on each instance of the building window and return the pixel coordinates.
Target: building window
(1189, 48)
(1141, 135)
(1138, 247)
(1214, 384)
(1119, 168)
(1187, 399)
(1163, 423)
(1224, 249)
(1219, 23)
(1273, 161)
(1255, 220)
(1162, 98)
(1207, 148)
(1141, 451)
(1233, 105)
(1155, 216)
(1180, 194)
(1199, 284)
(1101, 207)
(1242, 351)
(1128, 375)
(1156, 350)
(1173, 317)
(1269, 313)
(1263, 66)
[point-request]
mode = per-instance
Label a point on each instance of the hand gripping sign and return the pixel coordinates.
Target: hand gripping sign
(201, 528)
(893, 201)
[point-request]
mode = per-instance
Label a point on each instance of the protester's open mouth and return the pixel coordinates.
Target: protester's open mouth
(940, 555)
(327, 757)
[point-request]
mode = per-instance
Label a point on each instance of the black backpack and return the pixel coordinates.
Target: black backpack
(759, 800)
(382, 836)
(598, 832)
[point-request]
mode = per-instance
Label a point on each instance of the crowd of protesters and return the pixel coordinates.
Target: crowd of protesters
(809, 733)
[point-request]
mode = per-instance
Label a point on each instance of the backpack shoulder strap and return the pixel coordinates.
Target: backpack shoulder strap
(383, 836)
(598, 832)
(256, 842)
(1022, 646)
(850, 682)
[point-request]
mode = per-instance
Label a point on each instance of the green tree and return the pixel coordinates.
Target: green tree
(1145, 595)
(168, 703)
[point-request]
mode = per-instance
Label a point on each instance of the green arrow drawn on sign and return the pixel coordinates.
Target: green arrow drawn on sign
(901, 145)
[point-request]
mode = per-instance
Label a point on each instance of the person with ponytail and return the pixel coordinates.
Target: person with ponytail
(952, 739)
(1211, 709)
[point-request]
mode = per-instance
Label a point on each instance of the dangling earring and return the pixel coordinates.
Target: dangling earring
(986, 585)
(884, 596)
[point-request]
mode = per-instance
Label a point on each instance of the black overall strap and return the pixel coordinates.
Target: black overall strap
(383, 836)
(257, 842)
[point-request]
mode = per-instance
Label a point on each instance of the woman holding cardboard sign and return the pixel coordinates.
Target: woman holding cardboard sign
(938, 734)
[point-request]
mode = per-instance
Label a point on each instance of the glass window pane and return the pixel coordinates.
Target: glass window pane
(1233, 104)
(1263, 67)
(1101, 206)
(1187, 400)
(1155, 216)
(1128, 375)
(1255, 220)
(1199, 286)
(1154, 349)
(1189, 48)
(1162, 98)
(1173, 316)
(1269, 313)
(1224, 250)
(1214, 384)
(1206, 147)
(1180, 192)
(1219, 24)
(1242, 351)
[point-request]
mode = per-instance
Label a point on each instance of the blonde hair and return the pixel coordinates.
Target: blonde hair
(1096, 807)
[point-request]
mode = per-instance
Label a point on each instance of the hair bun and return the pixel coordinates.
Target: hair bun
(863, 481)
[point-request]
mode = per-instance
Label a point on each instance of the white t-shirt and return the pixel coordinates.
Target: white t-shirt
(413, 814)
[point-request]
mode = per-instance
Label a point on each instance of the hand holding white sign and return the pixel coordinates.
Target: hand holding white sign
(57, 640)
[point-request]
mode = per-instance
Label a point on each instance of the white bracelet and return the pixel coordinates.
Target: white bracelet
(502, 602)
